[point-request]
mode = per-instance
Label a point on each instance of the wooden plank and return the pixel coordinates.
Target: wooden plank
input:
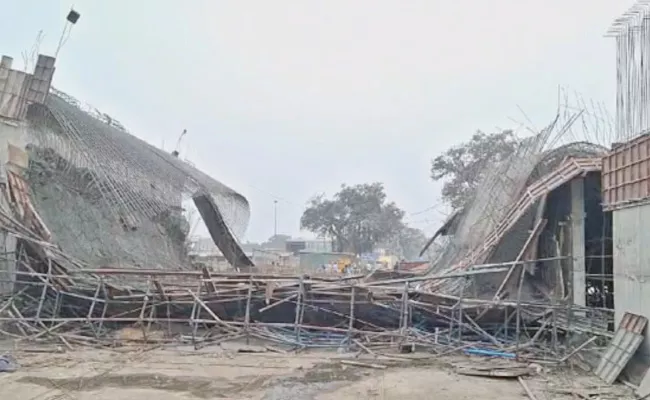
(495, 373)
(207, 279)
(643, 391)
(17, 157)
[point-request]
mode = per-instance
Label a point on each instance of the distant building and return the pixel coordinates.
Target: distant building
(204, 251)
(311, 261)
(203, 247)
(295, 246)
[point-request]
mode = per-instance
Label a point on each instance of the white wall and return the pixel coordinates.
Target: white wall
(631, 231)
(579, 281)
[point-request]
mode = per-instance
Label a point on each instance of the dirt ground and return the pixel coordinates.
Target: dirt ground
(224, 372)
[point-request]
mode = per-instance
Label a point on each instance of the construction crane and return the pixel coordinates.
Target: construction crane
(178, 144)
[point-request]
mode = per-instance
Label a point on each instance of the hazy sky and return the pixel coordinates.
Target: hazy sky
(285, 99)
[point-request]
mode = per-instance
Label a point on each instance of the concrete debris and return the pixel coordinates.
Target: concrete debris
(220, 232)
(99, 258)
(8, 364)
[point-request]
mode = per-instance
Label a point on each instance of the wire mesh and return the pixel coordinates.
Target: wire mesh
(632, 36)
(111, 198)
(579, 129)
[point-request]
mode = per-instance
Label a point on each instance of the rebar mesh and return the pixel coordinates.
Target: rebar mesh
(632, 35)
(578, 130)
(109, 197)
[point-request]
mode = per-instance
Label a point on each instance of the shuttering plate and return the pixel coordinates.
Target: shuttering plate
(643, 391)
(625, 343)
(626, 174)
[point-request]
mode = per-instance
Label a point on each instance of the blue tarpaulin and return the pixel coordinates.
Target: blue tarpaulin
(7, 364)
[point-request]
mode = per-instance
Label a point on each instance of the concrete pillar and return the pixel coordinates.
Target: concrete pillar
(8, 134)
(578, 271)
(7, 264)
(5, 62)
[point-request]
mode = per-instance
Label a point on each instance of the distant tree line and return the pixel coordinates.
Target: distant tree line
(360, 218)
(462, 167)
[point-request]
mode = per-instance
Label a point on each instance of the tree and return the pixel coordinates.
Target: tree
(357, 218)
(406, 243)
(278, 241)
(411, 242)
(462, 167)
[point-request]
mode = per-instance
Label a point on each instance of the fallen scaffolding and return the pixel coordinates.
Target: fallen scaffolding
(568, 170)
(298, 311)
(56, 296)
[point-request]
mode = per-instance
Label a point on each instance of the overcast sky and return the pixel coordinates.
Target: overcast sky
(284, 99)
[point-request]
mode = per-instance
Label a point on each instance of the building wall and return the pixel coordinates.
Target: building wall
(10, 133)
(316, 245)
(626, 173)
(632, 265)
(19, 88)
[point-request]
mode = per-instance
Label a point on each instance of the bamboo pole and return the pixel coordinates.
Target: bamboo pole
(145, 302)
(351, 323)
(247, 318)
(301, 307)
(45, 288)
(211, 313)
(194, 316)
(460, 311)
(92, 306)
(518, 310)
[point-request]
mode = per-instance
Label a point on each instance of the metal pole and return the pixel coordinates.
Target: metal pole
(275, 218)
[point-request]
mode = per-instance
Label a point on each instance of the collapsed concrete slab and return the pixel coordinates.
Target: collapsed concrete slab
(220, 233)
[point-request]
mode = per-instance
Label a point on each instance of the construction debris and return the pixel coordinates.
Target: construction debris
(506, 315)
(524, 385)
(492, 369)
(504, 291)
(8, 364)
(589, 393)
(57, 296)
(60, 297)
(362, 364)
(625, 343)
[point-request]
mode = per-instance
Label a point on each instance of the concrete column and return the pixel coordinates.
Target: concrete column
(7, 245)
(5, 62)
(7, 264)
(8, 134)
(578, 272)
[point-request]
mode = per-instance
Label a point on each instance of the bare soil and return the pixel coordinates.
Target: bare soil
(222, 372)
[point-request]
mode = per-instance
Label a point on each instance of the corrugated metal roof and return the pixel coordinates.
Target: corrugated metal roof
(625, 343)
